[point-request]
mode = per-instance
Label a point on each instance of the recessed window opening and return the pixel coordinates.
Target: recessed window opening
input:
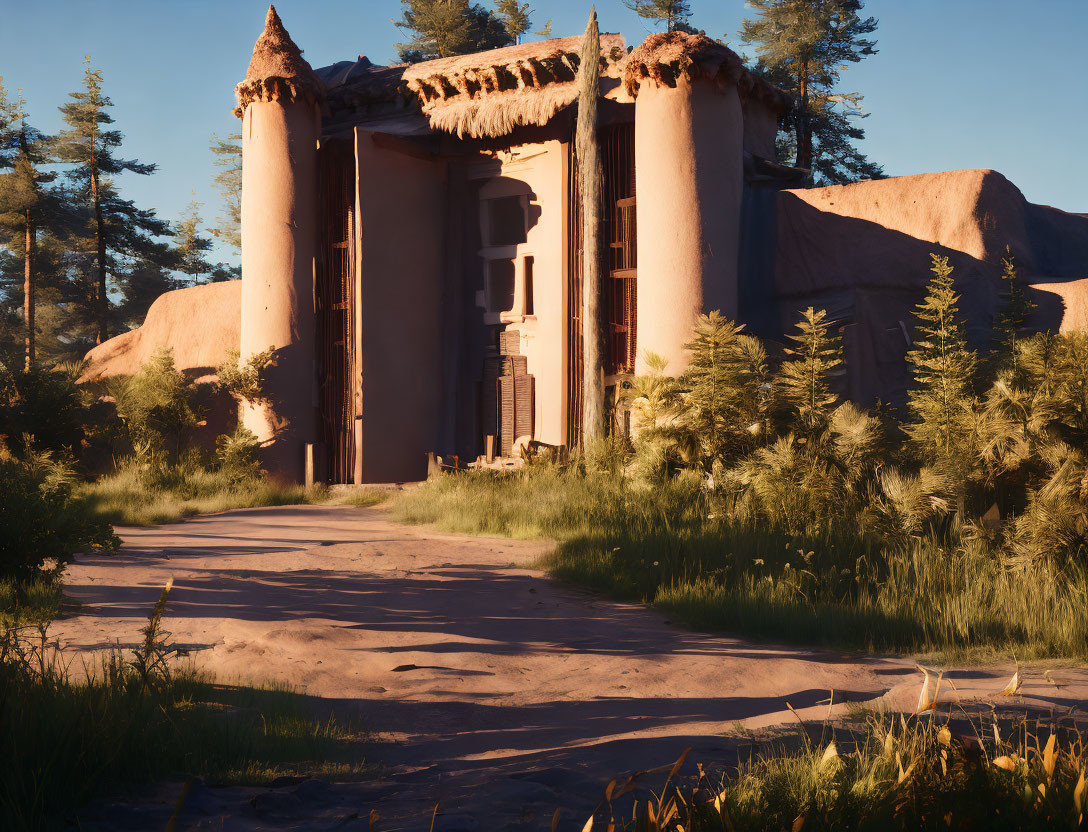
(500, 285)
(529, 286)
(506, 221)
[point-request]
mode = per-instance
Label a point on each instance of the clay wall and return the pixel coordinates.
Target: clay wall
(689, 179)
(402, 217)
(279, 239)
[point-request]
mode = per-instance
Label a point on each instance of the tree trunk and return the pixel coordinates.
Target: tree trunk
(28, 290)
(804, 136)
(589, 178)
(101, 299)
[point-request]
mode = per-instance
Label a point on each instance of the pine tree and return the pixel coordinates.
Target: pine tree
(118, 232)
(443, 28)
(943, 369)
(728, 389)
(516, 17)
(29, 208)
(191, 246)
(1010, 322)
(803, 46)
(673, 13)
(227, 157)
(804, 382)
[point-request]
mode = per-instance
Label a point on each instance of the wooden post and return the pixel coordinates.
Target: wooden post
(588, 153)
(313, 467)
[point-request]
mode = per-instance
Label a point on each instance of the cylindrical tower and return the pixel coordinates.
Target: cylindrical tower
(278, 103)
(689, 170)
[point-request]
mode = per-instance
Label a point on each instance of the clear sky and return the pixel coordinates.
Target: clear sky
(956, 83)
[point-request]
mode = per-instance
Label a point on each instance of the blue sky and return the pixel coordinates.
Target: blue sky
(957, 83)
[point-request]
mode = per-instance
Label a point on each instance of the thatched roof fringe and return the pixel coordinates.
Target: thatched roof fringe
(500, 114)
(277, 71)
(664, 58)
(285, 90)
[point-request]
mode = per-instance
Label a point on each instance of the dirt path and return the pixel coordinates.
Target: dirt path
(504, 695)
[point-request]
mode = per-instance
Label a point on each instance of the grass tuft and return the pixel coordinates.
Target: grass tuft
(675, 547)
(135, 496)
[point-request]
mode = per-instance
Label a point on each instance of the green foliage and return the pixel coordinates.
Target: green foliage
(673, 13)
(1010, 322)
(751, 500)
(130, 722)
(155, 406)
(116, 237)
(516, 18)
(444, 28)
(943, 366)
(803, 46)
(727, 386)
(227, 157)
(246, 381)
(32, 210)
(804, 382)
(191, 247)
(144, 492)
(239, 453)
(42, 409)
(41, 526)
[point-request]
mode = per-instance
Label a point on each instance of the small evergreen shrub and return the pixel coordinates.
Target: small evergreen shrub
(42, 526)
(43, 409)
(239, 453)
(156, 407)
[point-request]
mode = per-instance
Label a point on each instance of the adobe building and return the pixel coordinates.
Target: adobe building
(411, 246)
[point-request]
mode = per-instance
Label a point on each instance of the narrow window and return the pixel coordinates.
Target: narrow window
(500, 285)
(529, 286)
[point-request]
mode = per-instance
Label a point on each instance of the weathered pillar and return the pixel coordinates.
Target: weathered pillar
(689, 170)
(278, 102)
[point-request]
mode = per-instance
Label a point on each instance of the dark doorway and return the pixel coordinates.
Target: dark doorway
(335, 302)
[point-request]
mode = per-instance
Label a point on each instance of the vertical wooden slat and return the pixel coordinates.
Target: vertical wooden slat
(335, 305)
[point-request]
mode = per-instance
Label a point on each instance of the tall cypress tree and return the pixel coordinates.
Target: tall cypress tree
(588, 155)
(943, 368)
(118, 231)
(803, 46)
(673, 13)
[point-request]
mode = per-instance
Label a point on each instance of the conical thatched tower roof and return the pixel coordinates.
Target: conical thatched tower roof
(277, 71)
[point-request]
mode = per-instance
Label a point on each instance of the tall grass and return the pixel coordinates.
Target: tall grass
(136, 495)
(886, 774)
(73, 734)
(678, 548)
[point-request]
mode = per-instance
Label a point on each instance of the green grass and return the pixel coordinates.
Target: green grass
(70, 738)
(884, 774)
(133, 497)
(30, 602)
(673, 547)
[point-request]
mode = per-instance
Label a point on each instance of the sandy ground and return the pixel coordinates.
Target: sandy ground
(500, 694)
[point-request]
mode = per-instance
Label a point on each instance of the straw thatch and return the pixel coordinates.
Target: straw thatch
(492, 93)
(663, 58)
(277, 71)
